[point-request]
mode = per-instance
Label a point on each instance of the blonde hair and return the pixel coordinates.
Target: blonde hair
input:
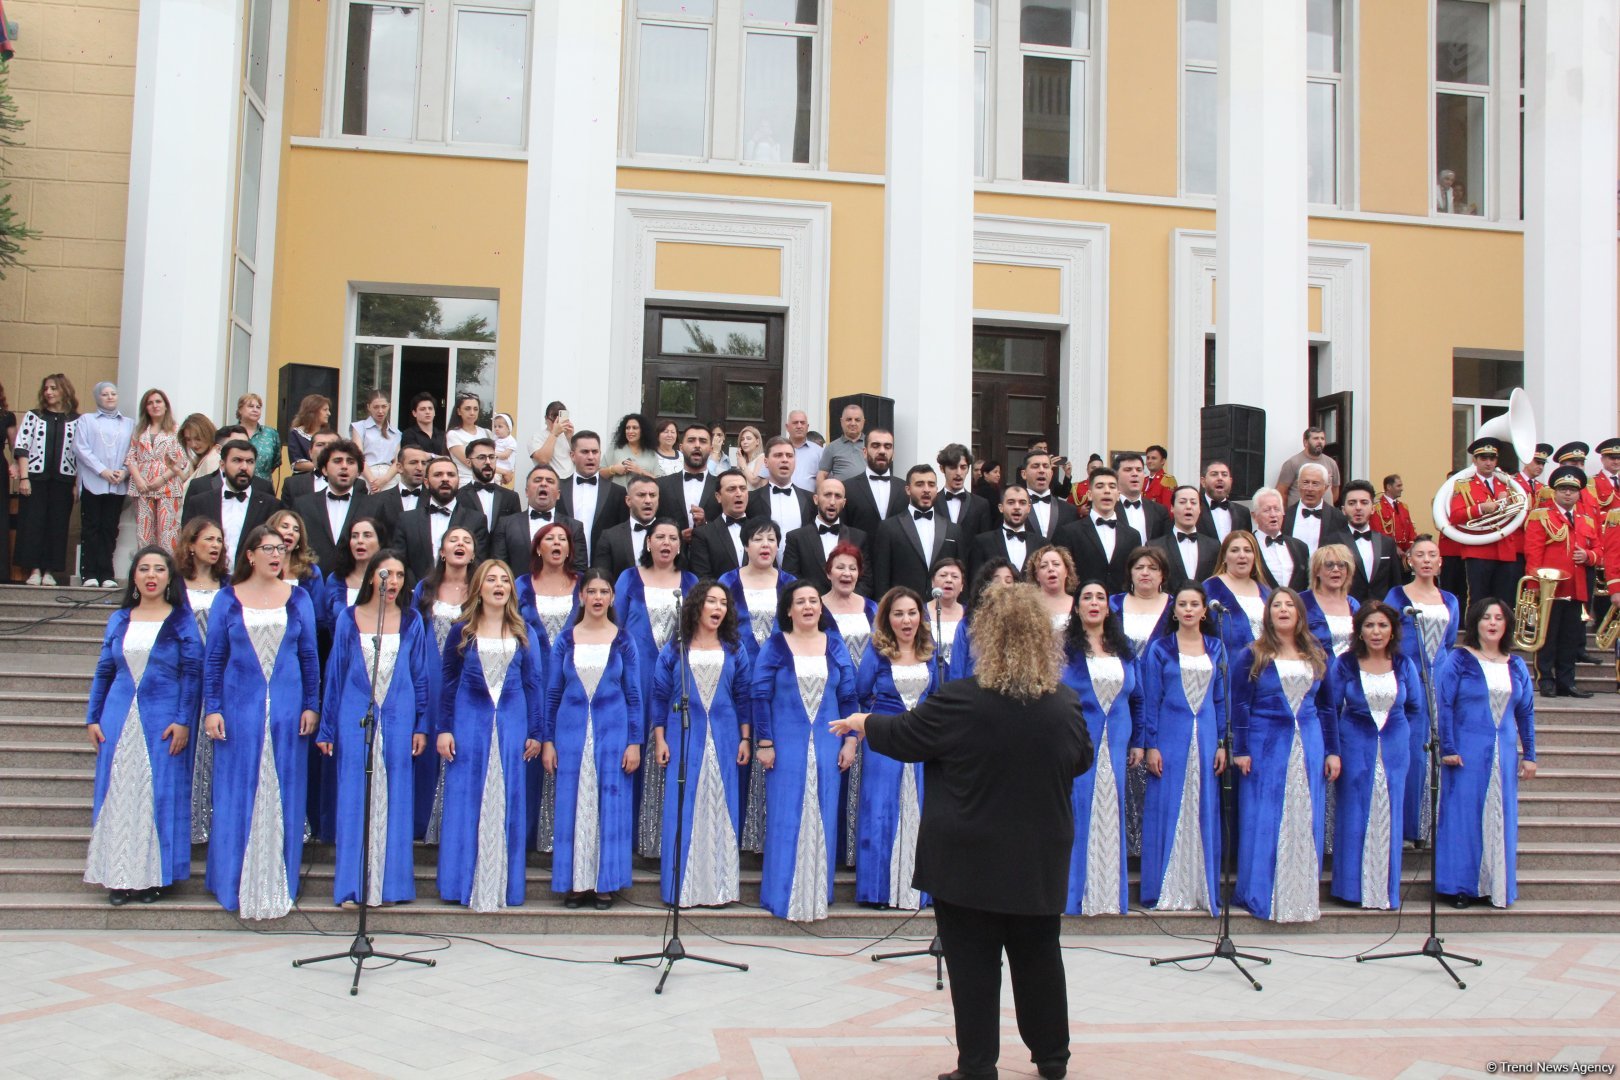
(884, 642)
(299, 558)
(242, 402)
(1071, 576)
(1269, 643)
(1014, 648)
(472, 613)
(1332, 553)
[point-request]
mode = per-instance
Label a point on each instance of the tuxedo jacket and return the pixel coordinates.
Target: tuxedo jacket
(505, 504)
(898, 557)
(215, 480)
(672, 498)
(1300, 580)
(978, 514)
(1209, 549)
(610, 505)
(615, 552)
(802, 557)
(416, 535)
(992, 544)
(511, 542)
(1334, 523)
(1241, 518)
(1387, 571)
(390, 506)
(711, 552)
(205, 501)
(861, 508)
(759, 505)
(1063, 512)
(1154, 516)
(296, 486)
(318, 528)
(1090, 557)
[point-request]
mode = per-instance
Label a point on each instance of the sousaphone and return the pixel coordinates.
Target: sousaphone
(1517, 427)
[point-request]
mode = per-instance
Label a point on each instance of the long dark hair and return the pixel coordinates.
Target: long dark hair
(986, 574)
(692, 610)
(884, 643)
(1476, 612)
(435, 577)
(1269, 644)
(595, 573)
(646, 548)
(1369, 609)
(784, 604)
(244, 569)
(619, 440)
(368, 584)
(172, 593)
(1205, 625)
(537, 562)
(187, 561)
(70, 396)
(1076, 642)
(343, 562)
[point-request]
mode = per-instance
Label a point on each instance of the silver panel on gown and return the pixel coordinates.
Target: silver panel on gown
(377, 835)
(662, 612)
(263, 890)
(910, 680)
(1102, 837)
(1380, 691)
(444, 617)
(807, 899)
(856, 632)
(202, 760)
(590, 662)
(489, 866)
(1186, 878)
(125, 852)
(1296, 880)
(710, 872)
(1493, 872)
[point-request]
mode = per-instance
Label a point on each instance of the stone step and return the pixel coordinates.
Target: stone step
(1590, 781)
(1556, 733)
(1569, 854)
(55, 755)
(42, 732)
(57, 782)
(46, 682)
(1542, 830)
(1538, 801)
(71, 701)
(44, 811)
(1576, 757)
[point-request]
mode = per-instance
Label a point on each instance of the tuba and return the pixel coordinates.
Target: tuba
(1532, 607)
(1608, 631)
(1516, 426)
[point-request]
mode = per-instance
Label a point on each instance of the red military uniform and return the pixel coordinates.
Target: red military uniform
(1466, 498)
(1602, 489)
(1609, 545)
(1540, 495)
(1551, 539)
(1080, 495)
(1394, 520)
(1159, 486)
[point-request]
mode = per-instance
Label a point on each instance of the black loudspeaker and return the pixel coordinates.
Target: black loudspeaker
(879, 412)
(298, 381)
(1235, 434)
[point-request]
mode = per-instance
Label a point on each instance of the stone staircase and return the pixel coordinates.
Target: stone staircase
(1569, 849)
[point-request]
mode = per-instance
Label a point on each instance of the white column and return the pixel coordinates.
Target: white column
(182, 195)
(1573, 108)
(928, 227)
(1260, 219)
(568, 226)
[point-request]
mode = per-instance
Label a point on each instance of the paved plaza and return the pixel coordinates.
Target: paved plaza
(154, 1004)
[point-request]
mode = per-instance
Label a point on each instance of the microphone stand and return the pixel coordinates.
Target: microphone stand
(360, 949)
(936, 948)
(673, 949)
(1224, 949)
(1433, 945)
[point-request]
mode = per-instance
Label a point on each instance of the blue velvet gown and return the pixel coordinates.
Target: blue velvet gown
(540, 808)
(201, 751)
(856, 630)
(1316, 621)
(261, 767)
(801, 791)
(482, 842)
(1436, 641)
(961, 665)
(1181, 838)
(891, 792)
(720, 702)
(754, 628)
(428, 766)
(1476, 846)
(141, 838)
(651, 630)
(1136, 777)
(1288, 730)
(1235, 628)
(593, 713)
(406, 708)
(1372, 781)
(1099, 883)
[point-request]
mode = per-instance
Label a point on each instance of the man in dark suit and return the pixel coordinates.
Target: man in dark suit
(589, 498)
(876, 493)
(1220, 513)
(805, 550)
(1313, 519)
(717, 546)
(971, 513)
(1014, 538)
(909, 543)
(514, 536)
(789, 506)
(1377, 563)
(1147, 516)
(491, 499)
(1190, 553)
(422, 530)
(1286, 560)
(1101, 542)
(621, 545)
(327, 514)
(692, 486)
(235, 502)
(394, 501)
(299, 484)
(1049, 512)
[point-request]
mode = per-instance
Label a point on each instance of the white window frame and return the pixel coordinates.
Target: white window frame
(1477, 405)
(1183, 67)
(1005, 53)
(435, 71)
(344, 414)
(1501, 129)
(1344, 108)
(723, 134)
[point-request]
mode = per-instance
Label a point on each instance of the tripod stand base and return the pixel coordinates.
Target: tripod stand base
(1432, 948)
(935, 949)
(672, 952)
(1224, 950)
(360, 950)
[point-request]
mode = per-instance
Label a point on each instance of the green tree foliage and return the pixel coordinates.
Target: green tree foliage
(14, 233)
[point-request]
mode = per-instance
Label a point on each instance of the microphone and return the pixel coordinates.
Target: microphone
(384, 575)
(936, 594)
(1217, 607)
(677, 597)
(1412, 610)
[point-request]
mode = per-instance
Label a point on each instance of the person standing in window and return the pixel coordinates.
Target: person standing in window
(423, 431)
(250, 414)
(102, 444)
(464, 428)
(157, 465)
(314, 416)
(45, 442)
(379, 441)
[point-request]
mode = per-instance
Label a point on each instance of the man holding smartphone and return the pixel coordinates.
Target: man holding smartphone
(551, 446)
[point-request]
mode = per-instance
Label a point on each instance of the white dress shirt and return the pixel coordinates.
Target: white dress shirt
(585, 507)
(829, 540)
(925, 531)
(1109, 537)
(232, 516)
(734, 528)
(1017, 547)
(1221, 518)
(538, 523)
(953, 507)
(638, 537)
(1279, 560)
(337, 511)
(1134, 515)
(692, 492)
(408, 501)
(1042, 511)
(807, 461)
(1363, 546)
(785, 508)
(486, 499)
(438, 524)
(881, 487)
(1308, 529)
(1188, 550)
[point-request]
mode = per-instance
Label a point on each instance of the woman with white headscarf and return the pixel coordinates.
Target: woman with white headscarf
(100, 448)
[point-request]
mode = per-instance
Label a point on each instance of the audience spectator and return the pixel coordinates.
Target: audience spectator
(100, 449)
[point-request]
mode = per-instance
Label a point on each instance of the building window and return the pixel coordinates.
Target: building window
(1324, 96)
(407, 343)
(1200, 46)
(725, 80)
(983, 23)
(1462, 96)
(249, 182)
(1033, 77)
(1482, 380)
(439, 73)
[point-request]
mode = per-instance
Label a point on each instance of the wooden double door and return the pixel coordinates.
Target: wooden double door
(1015, 394)
(713, 367)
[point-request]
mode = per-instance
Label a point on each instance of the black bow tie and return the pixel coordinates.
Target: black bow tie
(239, 496)
(1108, 522)
(1186, 538)
(435, 508)
(1273, 541)
(693, 478)
(1219, 504)
(1040, 498)
(1132, 504)
(955, 495)
(410, 493)
(1013, 534)
(922, 515)
(731, 522)
(486, 485)
(335, 497)
(539, 515)
(591, 480)
(874, 476)
(827, 530)
(1310, 513)
(637, 526)
(1365, 534)
(781, 490)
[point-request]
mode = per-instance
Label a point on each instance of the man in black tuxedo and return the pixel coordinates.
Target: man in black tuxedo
(789, 506)
(1014, 538)
(212, 481)
(1147, 516)
(1190, 553)
(236, 503)
(1377, 562)
(805, 550)
(717, 546)
(422, 530)
(1101, 542)
(876, 493)
(327, 514)
(693, 486)
(394, 501)
(1313, 519)
(491, 499)
(1047, 511)
(298, 485)
(909, 543)
(1287, 561)
(589, 498)
(513, 538)
(622, 544)
(971, 513)
(1221, 513)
